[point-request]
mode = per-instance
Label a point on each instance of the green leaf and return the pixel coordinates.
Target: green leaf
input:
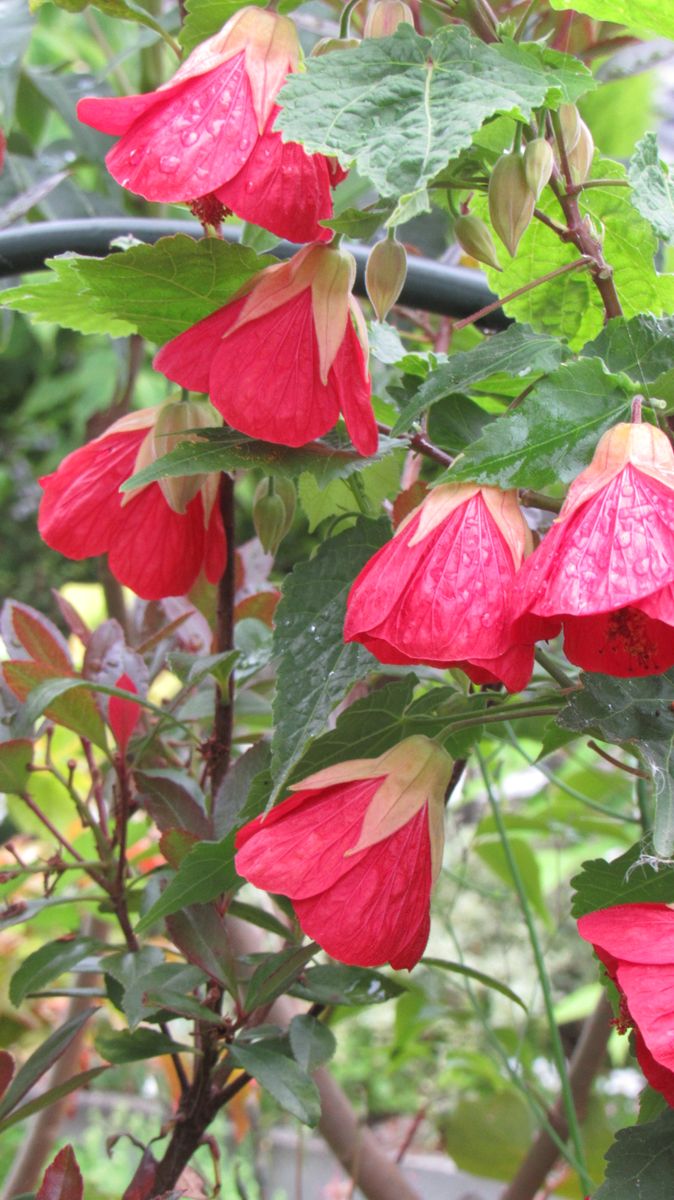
(652, 193)
(192, 669)
(633, 878)
(51, 1096)
(156, 291)
(144, 975)
(640, 347)
(47, 963)
(517, 352)
(456, 423)
(273, 976)
(123, 1046)
(333, 457)
(16, 757)
(257, 916)
(385, 104)
(650, 15)
(641, 1160)
(199, 931)
(174, 800)
(361, 223)
(206, 17)
(66, 701)
(16, 22)
(374, 484)
(350, 986)
(235, 787)
(570, 306)
(490, 850)
(553, 433)
(316, 668)
(206, 872)
(41, 1060)
(634, 712)
(282, 1078)
(487, 981)
(311, 1042)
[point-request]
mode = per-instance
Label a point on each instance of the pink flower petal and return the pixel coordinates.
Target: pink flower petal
(187, 358)
(350, 377)
(123, 715)
(637, 933)
(624, 643)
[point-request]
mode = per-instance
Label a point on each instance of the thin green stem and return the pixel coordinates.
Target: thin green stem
(345, 18)
(557, 1048)
(566, 787)
(584, 261)
(547, 662)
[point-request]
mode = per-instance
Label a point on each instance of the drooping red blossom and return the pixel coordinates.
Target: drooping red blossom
(283, 359)
(440, 592)
(635, 942)
(123, 715)
(159, 537)
(357, 848)
(209, 130)
(605, 570)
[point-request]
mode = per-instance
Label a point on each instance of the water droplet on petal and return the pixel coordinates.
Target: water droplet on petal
(189, 138)
(169, 163)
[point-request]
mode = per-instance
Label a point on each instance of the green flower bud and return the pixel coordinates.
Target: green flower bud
(326, 45)
(569, 119)
(580, 158)
(475, 238)
(273, 512)
(538, 164)
(385, 16)
(511, 200)
(385, 275)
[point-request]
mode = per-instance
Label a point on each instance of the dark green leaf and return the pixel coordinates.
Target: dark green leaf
(385, 104)
(156, 291)
(633, 878)
(282, 1078)
(46, 964)
(174, 801)
(41, 1060)
(16, 756)
(332, 457)
(144, 975)
(257, 916)
(635, 712)
(273, 976)
(192, 669)
(456, 422)
(640, 348)
(233, 791)
(123, 1046)
(518, 352)
(361, 222)
(350, 986)
(199, 931)
(652, 192)
(641, 1161)
(487, 981)
(316, 668)
(553, 433)
(206, 872)
(311, 1042)
(51, 1096)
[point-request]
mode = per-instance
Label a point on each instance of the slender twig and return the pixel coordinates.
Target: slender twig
(568, 1101)
(531, 499)
(615, 762)
(584, 261)
(548, 664)
(422, 445)
(224, 639)
(574, 188)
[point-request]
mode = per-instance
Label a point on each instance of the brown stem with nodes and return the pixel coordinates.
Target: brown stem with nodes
(224, 640)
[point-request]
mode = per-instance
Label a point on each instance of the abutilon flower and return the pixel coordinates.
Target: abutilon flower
(440, 592)
(283, 358)
(605, 570)
(159, 537)
(635, 942)
(357, 848)
(209, 131)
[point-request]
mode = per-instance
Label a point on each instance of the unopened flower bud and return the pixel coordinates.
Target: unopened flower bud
(326, 45)
(475, 238)
(385, 275)
(385, 16)
(570, 122)
(580, 158)
(511, 200)
(273, 512)
(176, 423)
(538, 163)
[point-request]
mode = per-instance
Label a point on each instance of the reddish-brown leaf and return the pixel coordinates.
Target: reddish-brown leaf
(408, 500)
(142, 1184)
(63, 1179)
(41, 640)
(262, 606)
(175, 844)
(6, 1070)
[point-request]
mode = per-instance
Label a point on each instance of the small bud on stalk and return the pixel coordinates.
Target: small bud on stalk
(385, 16)
(273, 511)
(385, 275)
(511, 200)
(580, 158)
(538, 164)
(327, 45)
(570, 123)
(475, 238)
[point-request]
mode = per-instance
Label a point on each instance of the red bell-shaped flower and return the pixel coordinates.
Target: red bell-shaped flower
(605, 570)
(283, 359)
(209, 130)
(635, 942)
(440, 592)
(158, 538)
(357, 849)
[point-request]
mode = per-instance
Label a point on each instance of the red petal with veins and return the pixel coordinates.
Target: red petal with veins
(659, 1077)
(616, 548)
(625, 643)
(638, 933)
(182, 142)
(153, 550)
(123, 715)
(282, 188)
(187, 358)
